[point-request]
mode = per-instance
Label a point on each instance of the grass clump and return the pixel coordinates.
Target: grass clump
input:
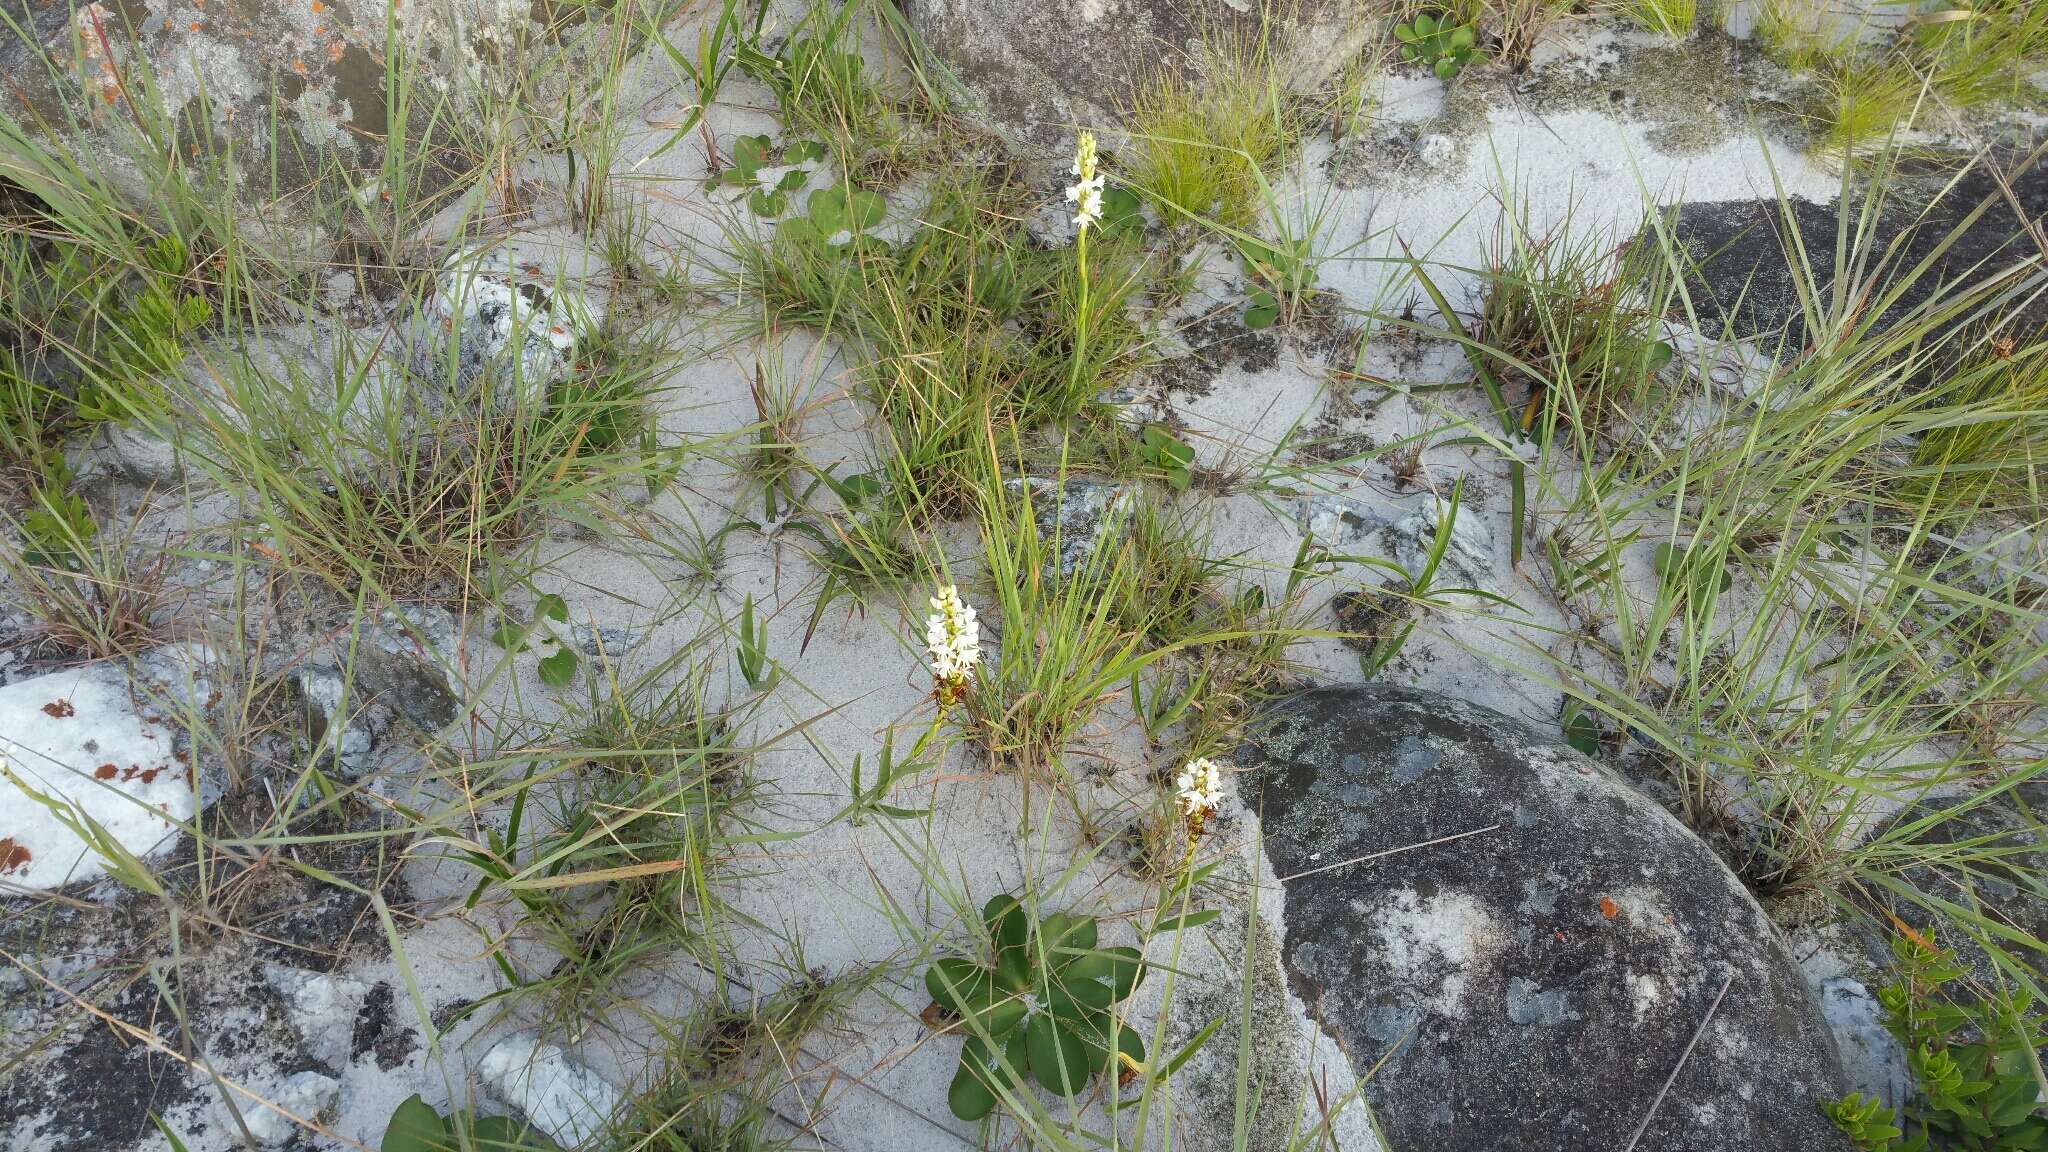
(1673, 18)
(1575, 319)
(607, 841)
(966, 325)
(1823, 649)
(1862, 89)
(1986, 443)
(1199, 143)
(90, 593)
(411, 479)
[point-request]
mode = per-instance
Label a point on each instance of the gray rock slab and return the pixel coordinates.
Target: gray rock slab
(1533, 984)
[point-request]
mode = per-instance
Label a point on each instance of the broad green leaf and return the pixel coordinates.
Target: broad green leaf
(1059, 1060)
(1006, 921)
(955, 983)
(558, 670)
(749, 153)
(969, 1096)
(414, 1127)
(1013, 969)
(1067, 930)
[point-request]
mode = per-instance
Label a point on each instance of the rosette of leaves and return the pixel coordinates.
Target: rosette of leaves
(557, 668)
(1445, 47)
(1043, 1004)
(836, 218)
(751, 154)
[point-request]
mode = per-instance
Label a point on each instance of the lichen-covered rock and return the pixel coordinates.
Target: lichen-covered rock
(1072, 515)
(1533, 984)
(1037, 70)
(284, 86)
(512, 311)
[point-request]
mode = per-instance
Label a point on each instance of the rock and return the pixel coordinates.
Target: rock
(102, 741)
(228, 74)
(1744, 281)
(1533, 984)
(401, 666)
(516, 309)
(321, 1006)
(1435, 150)
(1337, 522)
(126, 451)
(1036, 71)
(337, 727)
(303, 1094)
(604, 643)
(1467, 560)
(1872, 1059)
(1073, 514)
(562, 1098)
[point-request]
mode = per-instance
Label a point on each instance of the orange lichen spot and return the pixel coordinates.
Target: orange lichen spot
(334, 50)
(299, 66)
(59, 709)
(318, 7)
(194, 26)
(1609, 908)
(104, 772)
(13, 857)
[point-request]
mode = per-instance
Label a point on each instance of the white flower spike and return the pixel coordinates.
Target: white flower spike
(1201, 789)
(1086, 195)
(953, 638)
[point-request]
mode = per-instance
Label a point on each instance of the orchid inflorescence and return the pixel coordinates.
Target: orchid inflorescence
(953, 638)
(1201, 789)
(1086, 196)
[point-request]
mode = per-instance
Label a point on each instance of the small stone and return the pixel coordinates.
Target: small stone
(1467, 560)
(124, 451)
(1336, 521)
(321, 1006)
(604, 642)
(1435, 150)
(514, 310)
(303, 1094)
(561, 1097)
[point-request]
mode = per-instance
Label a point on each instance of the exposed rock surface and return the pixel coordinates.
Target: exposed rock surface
(1038, 70)
(1530, 986)
(215, 68)
(1746, 275)
(402, 665)
(1073, 514)
(103, 742)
